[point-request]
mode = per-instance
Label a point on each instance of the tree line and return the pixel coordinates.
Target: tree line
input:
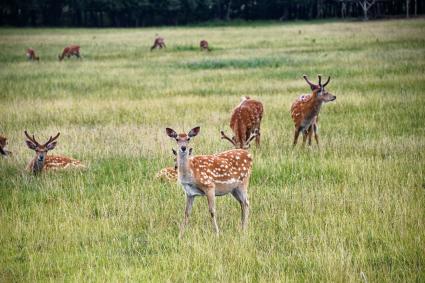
(135, 13)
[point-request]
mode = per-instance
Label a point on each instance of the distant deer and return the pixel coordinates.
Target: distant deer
(170, 173)
(42, 161)
(211, 176)
(204, 45)
(305, 110)
(71, 50)
(3, 151)
(31, 55)
(158, 43)
(245, 120)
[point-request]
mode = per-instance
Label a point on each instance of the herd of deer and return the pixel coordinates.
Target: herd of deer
(74, 50)
(203, 175)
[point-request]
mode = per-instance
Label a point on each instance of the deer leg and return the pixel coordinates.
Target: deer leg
(316, 135)
(304, 138)
(297, 133)
(242, 197)
(187, 211)
(309, 134)
(211, 208)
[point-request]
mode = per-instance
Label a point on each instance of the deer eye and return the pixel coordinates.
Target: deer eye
(177, 139)
(188, 139)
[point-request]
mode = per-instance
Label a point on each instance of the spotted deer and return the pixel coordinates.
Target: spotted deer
(245, 121)
(305, 110)
(211, 176)
(170, 173)
(31, 55)
(42, 161)
(158, 43)
(3, 143)
(204, 45)
(71, 50)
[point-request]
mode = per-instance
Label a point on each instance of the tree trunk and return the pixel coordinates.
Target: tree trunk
(407, 8)
(229, 8)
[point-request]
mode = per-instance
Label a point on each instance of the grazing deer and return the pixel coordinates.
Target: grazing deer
(211, 176)
(158, 43)
(305, 110)
(170, 173)
(204, 45)
(245, 121)
(42, 161)
(71, 50)
(31, 55)
(3, 151)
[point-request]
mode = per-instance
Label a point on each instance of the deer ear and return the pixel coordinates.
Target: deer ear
(51, 145)
(31, 145)
(171, 133)
(194, 132)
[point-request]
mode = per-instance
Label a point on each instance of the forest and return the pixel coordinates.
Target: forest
(139, 13)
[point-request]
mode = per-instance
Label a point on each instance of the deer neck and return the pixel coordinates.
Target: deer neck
(183, 167)
(37, 165)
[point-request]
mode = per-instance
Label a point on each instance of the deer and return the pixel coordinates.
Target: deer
(71, 50)
(31, 55)
(3, 151)
(245, 121)
(204, 45)
(158, 43)
(170, 173)
(305, 110)
(212, 175)
(43, 162)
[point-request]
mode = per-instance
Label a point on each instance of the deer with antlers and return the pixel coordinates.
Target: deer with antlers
(71, 50)
(305, 110)
(42, 161)
(3, 151)
(204, 45)
(158, 43)
(245, 123)
(31, 55)
(211, 176)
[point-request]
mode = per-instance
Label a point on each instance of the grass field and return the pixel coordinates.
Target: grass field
(352, 211)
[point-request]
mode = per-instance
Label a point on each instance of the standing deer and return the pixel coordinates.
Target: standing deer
(31, 55)
(305, 110)
(211, 176)
(170, 173)
(204, 45)
(158, 43)
(3, 151)
(42, 161)
(71, 50)
(245, 120)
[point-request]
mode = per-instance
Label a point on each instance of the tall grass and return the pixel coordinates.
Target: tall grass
(355, 206)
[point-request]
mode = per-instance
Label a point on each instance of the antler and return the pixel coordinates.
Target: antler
(251, 137)
(31, 138)
(329, 78)
(320, 79)
(223, 136)
(312, 85)
(52, 139)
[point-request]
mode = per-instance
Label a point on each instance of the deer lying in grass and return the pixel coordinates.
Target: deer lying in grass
(245, 121)
(42, 161)
(31, 55)
(3, 151)
(158, 43)
(71, 50)
(204, 45)
(170, 173)
(305, 110)
(211, 176)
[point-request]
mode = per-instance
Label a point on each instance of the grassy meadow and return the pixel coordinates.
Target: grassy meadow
(353, 210)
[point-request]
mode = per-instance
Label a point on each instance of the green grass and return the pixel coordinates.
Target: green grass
(356, 205)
